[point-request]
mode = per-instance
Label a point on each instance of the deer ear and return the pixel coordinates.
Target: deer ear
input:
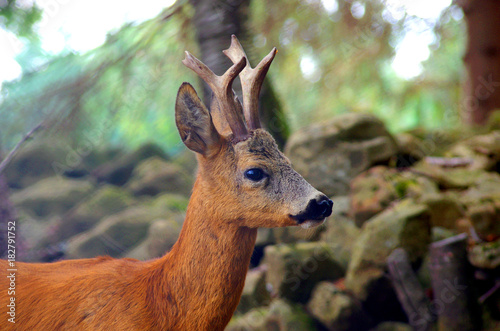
(194, 122)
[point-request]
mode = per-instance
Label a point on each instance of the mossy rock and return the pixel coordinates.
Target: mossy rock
(371, 192)
(485, 217)
(405, 225)
(375, 189)
(485, 255)
(170, 201)
(294, 270)
(255, 293)
(161, 237)
(52, 196)
(265, 237)
(254, 320)
(106, 201)
(410, 149)
(116, 234)
(445, 209)
(337, 310)
(453, 178)
(154, 175)
(482, 150)
(35, 161)
(486, 187)
(482, 205)
(341, 234)
(187, 161)
(439, 141)
(287, 316)
(119, 170)
(32, 234)
(100, 156)
(330, 154)
(279, 316)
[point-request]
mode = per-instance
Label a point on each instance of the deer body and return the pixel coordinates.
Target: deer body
(243, 182)
(196, 280)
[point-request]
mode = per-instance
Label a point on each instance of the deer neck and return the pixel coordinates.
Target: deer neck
(205, 270)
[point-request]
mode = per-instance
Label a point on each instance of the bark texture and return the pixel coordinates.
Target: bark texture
(7, 214)
(482, 59)
(215, 22)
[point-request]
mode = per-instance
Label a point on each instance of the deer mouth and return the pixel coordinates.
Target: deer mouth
(308, 224)
(305, 221)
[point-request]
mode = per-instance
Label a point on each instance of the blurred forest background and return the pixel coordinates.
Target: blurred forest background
(380, 104)
(399, 61)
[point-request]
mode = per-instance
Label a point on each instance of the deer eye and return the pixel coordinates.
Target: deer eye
(255, 174)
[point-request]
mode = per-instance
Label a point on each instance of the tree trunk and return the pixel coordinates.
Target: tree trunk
(215, 22)
(7, 213)
(482, 59)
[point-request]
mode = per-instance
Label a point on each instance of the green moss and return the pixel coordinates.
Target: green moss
(116, 234)
(107, 200)
(295, 269)
(401, 188)
(52, 196)
(174, 202)
(155, 175)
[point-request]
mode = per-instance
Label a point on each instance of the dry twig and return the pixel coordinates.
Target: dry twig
(13, 152)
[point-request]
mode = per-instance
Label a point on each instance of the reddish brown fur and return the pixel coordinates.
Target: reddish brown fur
(198, 284)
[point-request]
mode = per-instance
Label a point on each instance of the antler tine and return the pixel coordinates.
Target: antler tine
(222, 88)
(251, 80)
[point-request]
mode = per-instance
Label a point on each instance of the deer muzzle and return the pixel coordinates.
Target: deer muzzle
(315, 212)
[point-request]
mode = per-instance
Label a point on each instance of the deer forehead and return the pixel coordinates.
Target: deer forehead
(259, 148)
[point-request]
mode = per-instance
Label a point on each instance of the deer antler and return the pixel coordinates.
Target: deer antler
(222, 88)
(251, 80)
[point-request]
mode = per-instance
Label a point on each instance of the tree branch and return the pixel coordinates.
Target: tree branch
(13, 152)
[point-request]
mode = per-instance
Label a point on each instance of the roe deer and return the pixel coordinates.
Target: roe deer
(243, 182)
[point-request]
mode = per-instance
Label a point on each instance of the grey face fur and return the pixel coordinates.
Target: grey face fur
(282, 188)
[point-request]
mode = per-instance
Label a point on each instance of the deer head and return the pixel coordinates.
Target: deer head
(243, 182)
(244, 177)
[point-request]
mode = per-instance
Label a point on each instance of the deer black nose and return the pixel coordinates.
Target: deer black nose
(321, 207)
(317, 209)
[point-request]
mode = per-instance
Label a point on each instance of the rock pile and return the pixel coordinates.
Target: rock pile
(390, 193)
(118, 206)
(405, 192)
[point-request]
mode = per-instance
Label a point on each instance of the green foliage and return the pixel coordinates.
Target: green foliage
(124, 91)
(16, 16)
(353, 59)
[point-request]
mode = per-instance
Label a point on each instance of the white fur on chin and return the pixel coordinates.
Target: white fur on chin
(311, 224)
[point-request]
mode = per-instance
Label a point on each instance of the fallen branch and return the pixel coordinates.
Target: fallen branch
(13, 152)
(409, 291)
(449, 162)
(451, 279)
(490, 292)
